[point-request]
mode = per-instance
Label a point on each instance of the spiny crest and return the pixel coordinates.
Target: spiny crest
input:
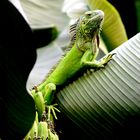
(53, 68)
(72, 41)
(73, 32)
(57, 63)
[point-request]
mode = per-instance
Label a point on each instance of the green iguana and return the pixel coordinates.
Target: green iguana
(84, 50)
(85, 47)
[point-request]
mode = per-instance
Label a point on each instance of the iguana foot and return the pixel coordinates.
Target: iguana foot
(51, 110)
(106, 59)
(99, 64)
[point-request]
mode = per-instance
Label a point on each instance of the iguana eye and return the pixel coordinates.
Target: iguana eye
(88, 13)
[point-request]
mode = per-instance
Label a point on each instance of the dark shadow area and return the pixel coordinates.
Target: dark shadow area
(127, 11)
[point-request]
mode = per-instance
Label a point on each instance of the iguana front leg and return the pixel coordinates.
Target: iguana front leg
(89, 59)
(43, 96)
(48, 93)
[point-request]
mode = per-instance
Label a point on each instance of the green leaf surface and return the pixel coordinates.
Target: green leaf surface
(137, 4)
(17, 106)
(100, 102)
(20, 114)
(113, 32)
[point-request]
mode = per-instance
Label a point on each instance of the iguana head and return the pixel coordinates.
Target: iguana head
(90, 22)
(87, 28)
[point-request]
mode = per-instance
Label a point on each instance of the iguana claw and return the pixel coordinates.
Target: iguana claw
(52, 109)
(106, 59)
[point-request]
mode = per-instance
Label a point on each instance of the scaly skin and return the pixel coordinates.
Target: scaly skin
(83, 53)
(85, 48)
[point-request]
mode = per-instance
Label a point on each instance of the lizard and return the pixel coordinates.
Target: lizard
(83, 53)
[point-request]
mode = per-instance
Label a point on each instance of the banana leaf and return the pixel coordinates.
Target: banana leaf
(17, 107)
(137, 4)
(105, 104)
